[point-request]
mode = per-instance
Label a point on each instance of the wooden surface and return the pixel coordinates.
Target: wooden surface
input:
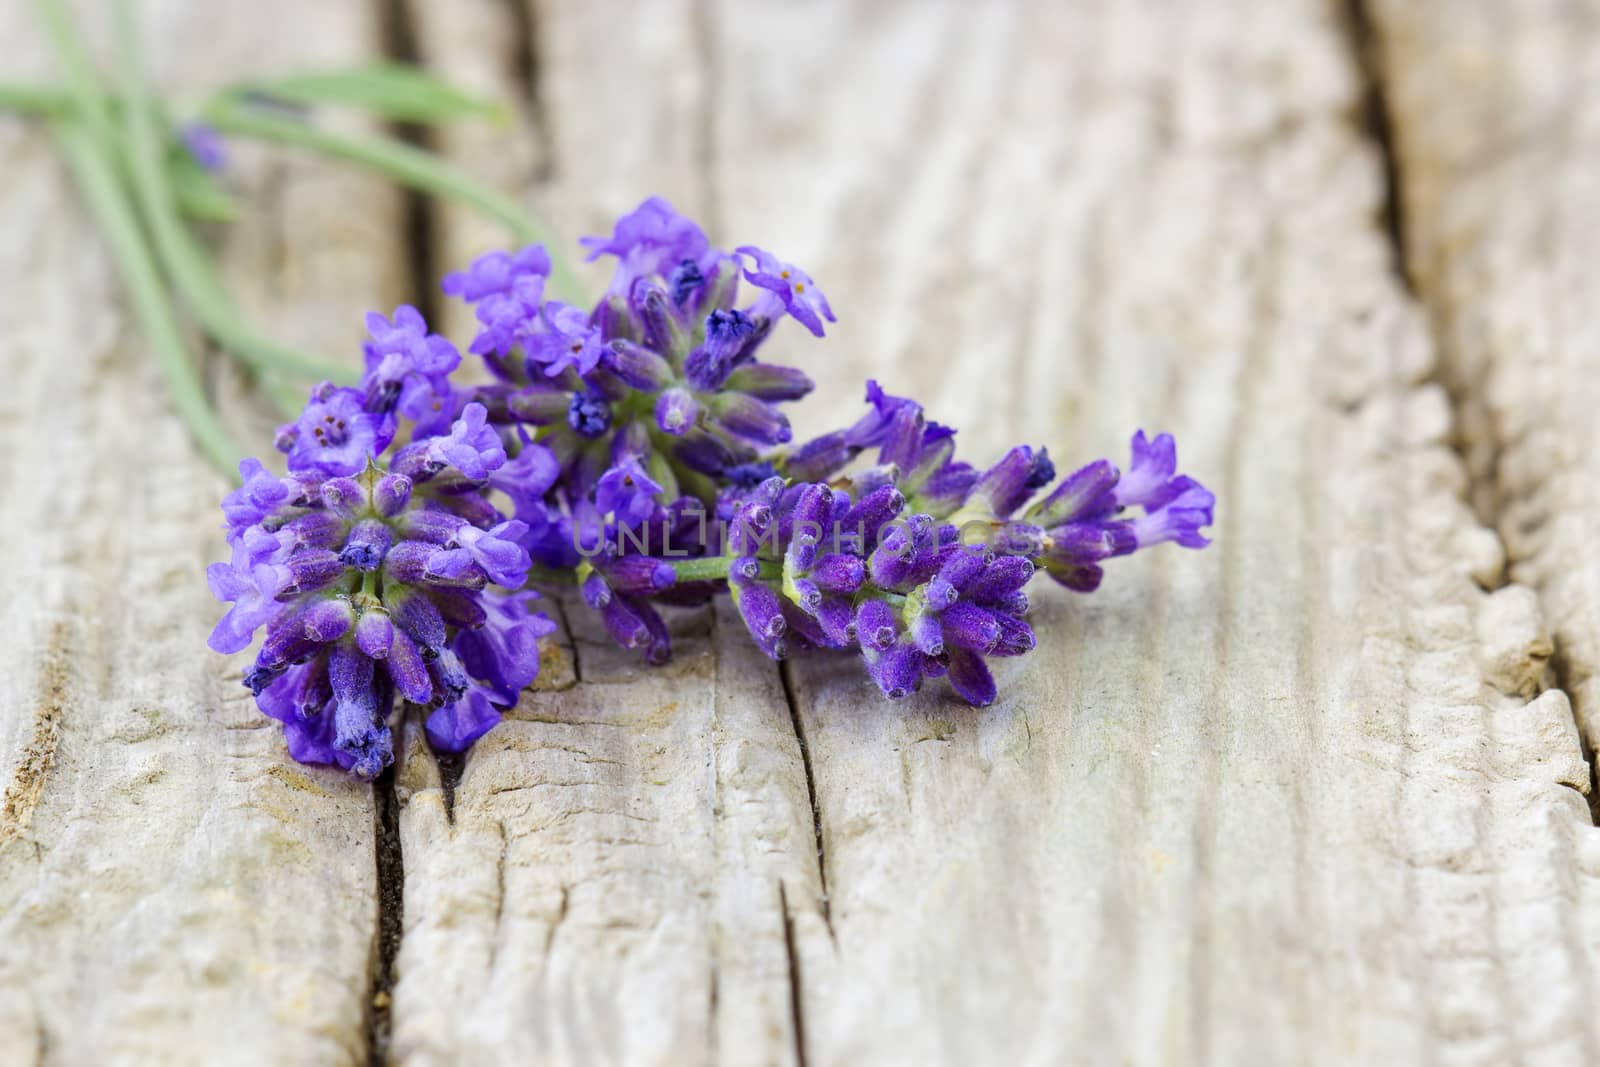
(1316, 794)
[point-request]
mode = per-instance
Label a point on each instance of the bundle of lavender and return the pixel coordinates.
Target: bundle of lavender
(637, 451)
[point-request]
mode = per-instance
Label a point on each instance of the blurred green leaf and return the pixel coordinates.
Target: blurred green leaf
(200, 196)
(397, 91)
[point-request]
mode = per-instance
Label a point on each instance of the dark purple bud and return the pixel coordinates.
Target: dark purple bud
(1004, 486)
(807, 594)
(970, 626)
(704, 452)
(416, 615)
(316, 529)
(965, 564)
(875, 625)
(902, 444)
(1011, 604)
(374, 633)
(948, 489)
(839, 572)
(1084, 493)
(939, 594)
(1020, 539)
(767, 382)
(450, 679)
(751, 418)
(541, 407)
(258, 677)
(412, 462)
(310, 570)
(328, 620)
(970, 677)
(1043, 472)
(1001, 578)
(658, 649)
(453, 567)
(364, 548)
(838, 625)
(357, 732)
(286, 642)
(762, 610)
(391, 495)
(685, 279)
(664, 327)
(596, 591)
(676, 411)
(897, 670)
(640, 574)
(728, 333)
(431, 524)
(1016, 637)
(638, 366)
(625, 623)
(343, 496)
(615, 319)
(871, 514)
(926, 634)
(819, 458)
(1081, 543)
(459, 609)
(1080, 578)
(408, 670)
(589, 416)
(808, 525)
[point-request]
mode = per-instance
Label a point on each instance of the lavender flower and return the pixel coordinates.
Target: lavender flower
(204, 145)
(373, 582)
(640, 453)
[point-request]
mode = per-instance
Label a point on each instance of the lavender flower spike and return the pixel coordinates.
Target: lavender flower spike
(637, 454)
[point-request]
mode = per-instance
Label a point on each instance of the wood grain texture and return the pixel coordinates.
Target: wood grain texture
(1492, 114)
(172, 888)
(1304, 797)
(1293, 799)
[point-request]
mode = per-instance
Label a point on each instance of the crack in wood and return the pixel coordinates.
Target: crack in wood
(796, 997)
(391, 904)
(399, 39)
(786, 676)
(452, 765)
(1377, 124)
(526, 72)
(22, 793)
(1486, 498)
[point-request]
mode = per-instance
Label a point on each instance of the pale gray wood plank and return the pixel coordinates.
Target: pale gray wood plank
(172, 887)
(602, 883)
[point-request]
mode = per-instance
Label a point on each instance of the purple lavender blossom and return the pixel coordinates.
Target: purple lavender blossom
(407, 367)
(370, 584)
(796, 293)
(639, 454)
(204, 145)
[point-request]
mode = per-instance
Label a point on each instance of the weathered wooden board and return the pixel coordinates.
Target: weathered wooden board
(1301, 797)
(1492, 108)
(1289, 799)
(172, 888)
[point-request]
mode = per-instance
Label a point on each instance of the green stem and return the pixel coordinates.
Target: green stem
(85, 89)
(35, 99)
(407, 165)
(539, 574)
(96, 174)
(190, 267)
(707, 569)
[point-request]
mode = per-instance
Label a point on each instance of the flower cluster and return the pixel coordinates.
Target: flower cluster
(638, 453)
